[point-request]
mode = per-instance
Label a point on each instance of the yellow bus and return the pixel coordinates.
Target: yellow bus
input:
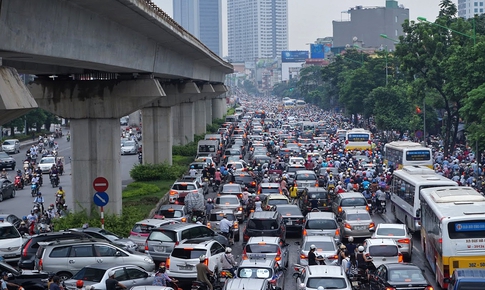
(402, 153)
(452, 230)
(358, 139)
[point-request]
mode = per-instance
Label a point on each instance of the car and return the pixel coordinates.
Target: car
(185, 256)
(292, 217)
(11, 242)
(466, 278)
(230, 202)
(28, 280)
(321, 224)
(324, 199)
(29, 248)
(199, 166)
(198, 178)
(399, 276)
(102, 234)
(11, 146)
(325, 247)
(141, 230)
(269, 188)
(161, 241)
(400, 234)
(246, 180)
(237, 166)
(274, 199)
(11, 218)
(95, 276)
(268, 248)
(250, 284)
(6, 161)
(232, 189)
(305, 179)
(266, 269)
(216, 215)
(328, 170)
(347, 200)
(176, 212)
(264, 223)
(129, 147)
(382, 251)
(45, 163)
(327, 276)
(65, 258)
(356, 223)
(7, 189)
(181, 188)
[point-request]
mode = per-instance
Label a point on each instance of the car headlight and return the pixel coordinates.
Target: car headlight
(148, 260)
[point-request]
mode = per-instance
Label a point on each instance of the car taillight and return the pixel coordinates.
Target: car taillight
(304, 232)
(26, 247)
(253, 183)
(429, 288)
(167, 263)
(209, 225)
(278, 255)
(339, 209)
(390, 288)
(236, 225)
(41, 265)
(372, 225)
(400, 258)
(184, 220)
(348, 226)
(206, 262)
(303, 256)
(337, 232)
(367, 208)
(173, 192)
(146, 245)
(334, 257)
(404, 241)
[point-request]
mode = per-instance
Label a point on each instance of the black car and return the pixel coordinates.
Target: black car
(320, 196)
(246, 180)
(292, 217)
(6, 161)
(29, 280)
(398, 276)
(7, 189)
(265, 223)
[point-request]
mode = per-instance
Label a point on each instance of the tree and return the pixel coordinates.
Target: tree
(36, 118)
(392, 108)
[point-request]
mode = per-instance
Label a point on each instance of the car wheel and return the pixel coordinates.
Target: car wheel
(64, 276)
(13, 194)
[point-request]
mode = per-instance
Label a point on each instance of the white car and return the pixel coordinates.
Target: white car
(46, 163)
(399, 233)
(330, 277)
(11, 146)
(382, 251)
(11, 242)
(326, 247)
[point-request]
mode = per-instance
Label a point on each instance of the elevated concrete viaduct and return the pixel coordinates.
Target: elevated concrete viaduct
(97, 61)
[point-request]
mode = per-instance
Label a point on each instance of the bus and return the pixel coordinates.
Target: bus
(405, 189)
(289, 104)
(453, 230)
(401, 153)
(358, 139)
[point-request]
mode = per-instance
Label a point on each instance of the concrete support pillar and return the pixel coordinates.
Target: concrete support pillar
(157, 135)
(94, 109)
(187, 128)
(208, 111)
(217, 111)
(134, 119)
(95, 152)
(176, 132)
(224, 105)
(200, 115)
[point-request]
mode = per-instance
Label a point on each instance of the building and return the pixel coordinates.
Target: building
(203, 19)
(367, 23)
(468, 8)
(257, 29)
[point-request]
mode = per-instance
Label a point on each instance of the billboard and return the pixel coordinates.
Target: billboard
(294, 55)
(317, 51)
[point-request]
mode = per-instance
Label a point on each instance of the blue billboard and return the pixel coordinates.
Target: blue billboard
(294, 55)
(316, 51)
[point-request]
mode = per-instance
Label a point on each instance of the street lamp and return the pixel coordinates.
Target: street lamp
(474, 36)
(387, 51)
(361, 53)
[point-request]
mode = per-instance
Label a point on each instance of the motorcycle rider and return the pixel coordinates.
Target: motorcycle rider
(381, 197)
(225, 227)
(192, 171)
(161, 277)
(4, 174)
(23, 229)
(53, 171)
(39, 199)
(257, 204)
(51, 212)
(38, 171)
(202, 271)
(209, 205)
(228, 262)
(312, 257)
(60, 196)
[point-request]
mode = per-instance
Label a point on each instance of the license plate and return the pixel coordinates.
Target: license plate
(361, 228)
(355, 283)
(289, 223)
(159, 249)
(186, 267)
(9, 255)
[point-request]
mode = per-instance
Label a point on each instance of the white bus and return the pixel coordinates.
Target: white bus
(405, 189)
(358, 139)
(453, 230)
(401, 153)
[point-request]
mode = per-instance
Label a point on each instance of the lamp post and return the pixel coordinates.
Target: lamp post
(473, 36)
(361, 53)
(387, 51)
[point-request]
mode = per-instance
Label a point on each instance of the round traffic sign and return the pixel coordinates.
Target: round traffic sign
(100, 198)
(100, 184)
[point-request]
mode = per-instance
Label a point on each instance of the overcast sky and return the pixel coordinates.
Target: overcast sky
(312, 19)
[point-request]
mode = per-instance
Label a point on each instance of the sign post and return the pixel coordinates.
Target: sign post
(101, 198)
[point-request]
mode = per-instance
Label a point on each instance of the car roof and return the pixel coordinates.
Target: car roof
(373, 242)
(264, 215)
(270, 184)
(218, 211)
(391, 226)
(355, 210)
(318, 238)
(316, 189)
(154, 222)
(177, 226)
(350, 195)
(195, 243)
(251, 262)
(305, 172)
(174, 206)
(392, 266)
(106, 266)
(324, 271)
(320, 215)
(276, 196)
(246, 283)
(5, 224)
(267, 240)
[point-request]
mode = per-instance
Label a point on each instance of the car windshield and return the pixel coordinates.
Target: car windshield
(163, 236)
(398, 232)
(111, 236)
(128, 143)
(258, 273)
(358, 217)
(317, 195)
(289, 210)
(3, 155)
(142, 228)
(320, 245)
(218, 216)
(353, 202)
(406, 275)
(231, 188)
(7, 143)
(261, 248)
(171, 213)
(306, 176)
(183, 186)
(277, 201)
(8, 232)
(327, 283)
(89, 274)
(47, 160)
(383, 251)
(270, 190)
(227, 200)
(188, 253)
(263, 224)
(321, 224)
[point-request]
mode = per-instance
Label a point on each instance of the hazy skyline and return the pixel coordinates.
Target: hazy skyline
(312, 19)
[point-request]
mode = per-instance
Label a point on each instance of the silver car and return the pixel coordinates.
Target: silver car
(129, 147)
(399, 233)
(11, 146)
(356, 223)
(230, 202)
(326, 247)
(321, 224)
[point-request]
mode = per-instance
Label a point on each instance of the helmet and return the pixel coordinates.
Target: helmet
(51, 205)
(343, 247)
(192, 166)
(111, 273)
(60, 187)
(313, 247)
(360, 249)
(24, 217)
(257, 198)
(320, 288)
(228, 250)
(209, 200)
(39, 193)
(79, 283)
(202, 258)
(350, 239)
(64, 205)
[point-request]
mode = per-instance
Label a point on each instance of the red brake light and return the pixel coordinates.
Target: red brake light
(337, 232)
(278, 255)
(347, 226)
(403, 241)
(167, 263)
(41, 265)
(206, 262)
(334, 257)
(372, 225)
(400, 258)
(146, 245)
(339, 209)
(304, 232)
(209, 225)
(302, 256)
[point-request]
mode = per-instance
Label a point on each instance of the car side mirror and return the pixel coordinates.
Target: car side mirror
(145, 275)
(296, 275)
(118, 254)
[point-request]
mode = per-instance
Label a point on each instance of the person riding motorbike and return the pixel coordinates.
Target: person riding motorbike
(23, 229)
(203, 271)
(4, 174)
(228, 262)
(257, 204)
(225, 226)
(209, 205)
(61, 195)
(312, 257)
(161, 278)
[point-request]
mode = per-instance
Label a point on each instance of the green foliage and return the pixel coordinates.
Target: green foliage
(182, 160)
(150, 172)
(140, 189)
(231, 111)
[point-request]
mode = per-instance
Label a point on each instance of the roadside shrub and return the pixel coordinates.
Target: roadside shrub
(151, 172)
(139, 189)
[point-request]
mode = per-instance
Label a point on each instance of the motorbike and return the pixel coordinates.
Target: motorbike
(60, 168)
(18, 184)
(214, 185)
(59, 202)
(198, 285)
(140, 157)
(26, 165)
(54, 153)
(68, 138)
(54, 180)
(34, 188)
(370, 205)
(381, 206)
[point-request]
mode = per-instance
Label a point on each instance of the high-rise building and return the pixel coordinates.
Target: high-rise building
(366, 24)
(203, 19)
(256, 29)
(468, 8)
